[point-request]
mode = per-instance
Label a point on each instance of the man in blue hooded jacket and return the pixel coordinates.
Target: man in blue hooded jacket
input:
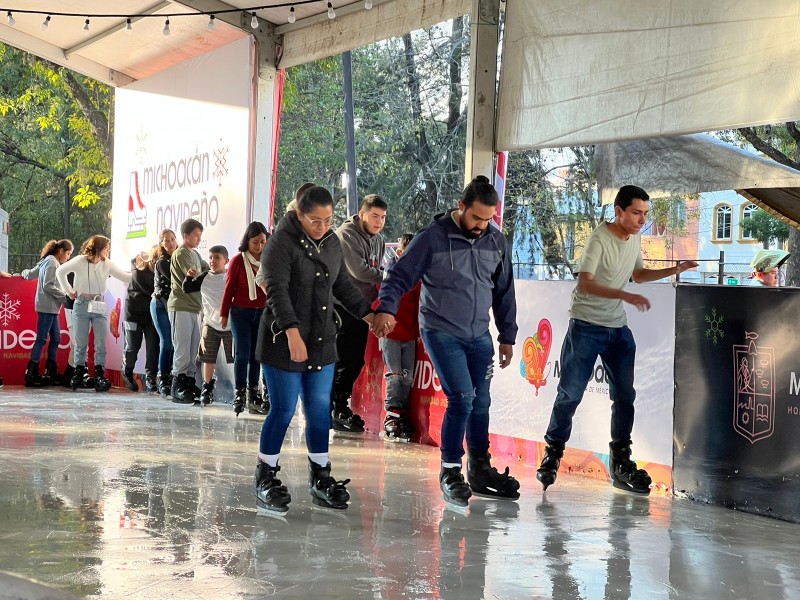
(465, 270)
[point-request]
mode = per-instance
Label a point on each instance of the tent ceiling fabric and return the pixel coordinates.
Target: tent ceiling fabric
(578, 72)
(109, 54)
(690, 164)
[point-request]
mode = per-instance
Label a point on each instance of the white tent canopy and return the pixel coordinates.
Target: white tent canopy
(579, 72)
(690, 164)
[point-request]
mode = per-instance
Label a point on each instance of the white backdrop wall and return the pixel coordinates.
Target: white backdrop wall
(521, 409)
(182, 150)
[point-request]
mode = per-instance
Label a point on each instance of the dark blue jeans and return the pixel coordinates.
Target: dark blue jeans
(165, 349)
(244, 326)
(314, 388)
(583, 343)
(46, 326)
(465, 368)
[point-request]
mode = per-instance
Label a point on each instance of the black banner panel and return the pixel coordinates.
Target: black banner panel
(737, 398)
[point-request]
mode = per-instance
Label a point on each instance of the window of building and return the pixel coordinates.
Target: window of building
(722, 222)
(748, 210)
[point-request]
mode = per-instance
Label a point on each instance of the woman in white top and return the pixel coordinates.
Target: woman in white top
(91, 269)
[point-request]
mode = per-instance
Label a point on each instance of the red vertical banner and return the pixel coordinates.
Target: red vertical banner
(500, 186)
(280, 80)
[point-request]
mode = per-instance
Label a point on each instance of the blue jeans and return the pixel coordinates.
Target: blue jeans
(285, 387)
(161, 320)
(46, 326)
(244, 326)
(583, 343)
(465, 367)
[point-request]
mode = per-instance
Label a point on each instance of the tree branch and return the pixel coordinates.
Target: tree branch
(762, 146)
(97, 120)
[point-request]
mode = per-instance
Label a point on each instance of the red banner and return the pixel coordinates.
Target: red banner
(18, 329)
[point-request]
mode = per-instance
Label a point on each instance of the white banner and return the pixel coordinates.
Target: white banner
(523, 393)
(182, 150)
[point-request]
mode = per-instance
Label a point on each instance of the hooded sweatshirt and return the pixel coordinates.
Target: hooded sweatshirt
(49, 297)
(462, 278)
(363, 255)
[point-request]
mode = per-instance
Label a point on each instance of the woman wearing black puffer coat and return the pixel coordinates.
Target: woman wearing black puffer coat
(304, 272)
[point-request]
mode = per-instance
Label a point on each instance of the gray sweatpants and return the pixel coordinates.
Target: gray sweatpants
(186, 340)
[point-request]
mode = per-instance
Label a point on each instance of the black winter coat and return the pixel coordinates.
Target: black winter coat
(303, 277)
(140, 290)
(163, 279)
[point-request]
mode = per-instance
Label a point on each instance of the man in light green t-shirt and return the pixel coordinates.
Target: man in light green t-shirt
(598, 326)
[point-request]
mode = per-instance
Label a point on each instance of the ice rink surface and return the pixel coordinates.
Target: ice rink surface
(123, 495)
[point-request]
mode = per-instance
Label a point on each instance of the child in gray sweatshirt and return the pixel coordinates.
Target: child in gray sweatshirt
(49, 298)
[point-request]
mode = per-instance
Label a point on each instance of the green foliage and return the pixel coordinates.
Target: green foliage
(417, 182)
(54, 134)
(766, 228)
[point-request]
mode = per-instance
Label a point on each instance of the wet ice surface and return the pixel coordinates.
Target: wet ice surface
(128, 496)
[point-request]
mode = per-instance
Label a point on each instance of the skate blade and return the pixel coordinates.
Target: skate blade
(493, 497)
(626, 488)
(272, 513)
(324, 506)
(394, 439)
(459, 509)
(455, 502)
(347, 433)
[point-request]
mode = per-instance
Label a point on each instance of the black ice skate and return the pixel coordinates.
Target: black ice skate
(32, 377)
(271, 495)
(345, 420)
(325, 490)
(624, 474)
(101, 384)
(130, 380)
(150, 383)
(548, 470)
(207, 393)
(488, 482)
(255, 403)
(454, 489)
(165, 385)
(238, 401)
(182, 390)
(51, 376)
(397, 426)
(79, 377)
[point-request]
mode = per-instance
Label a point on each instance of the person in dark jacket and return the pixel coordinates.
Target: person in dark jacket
(465, 269)
(305, 272)
(139, 325)
(162, 282)
(363, 248)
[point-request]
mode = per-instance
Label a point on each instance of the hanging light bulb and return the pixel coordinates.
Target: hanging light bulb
(254, 21)
(166, 30)
(331, 12)
(11, 20)
(367, 4)
(86, 25)
(46, 23)
(211, 22)
(292, 17)
(128, 25)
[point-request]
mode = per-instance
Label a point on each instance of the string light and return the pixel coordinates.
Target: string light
(255, 22)
(367, 4)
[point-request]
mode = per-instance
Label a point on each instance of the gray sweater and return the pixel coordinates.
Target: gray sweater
(363, 256)
(49, 297)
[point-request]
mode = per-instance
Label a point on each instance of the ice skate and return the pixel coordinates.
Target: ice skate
(165, 385)
(207, 393)
(624, 474)
(548, 470)
(345, 420)
(130, 380)
(455, 490)
(396, 426)
(325, 490)
(272, 497)
(32, 377)
(255, 404)
(182, 390)
(238, 401)
(101, 384)
(488, 482)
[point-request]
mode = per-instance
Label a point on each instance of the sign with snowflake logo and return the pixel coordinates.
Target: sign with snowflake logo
(8, 310)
